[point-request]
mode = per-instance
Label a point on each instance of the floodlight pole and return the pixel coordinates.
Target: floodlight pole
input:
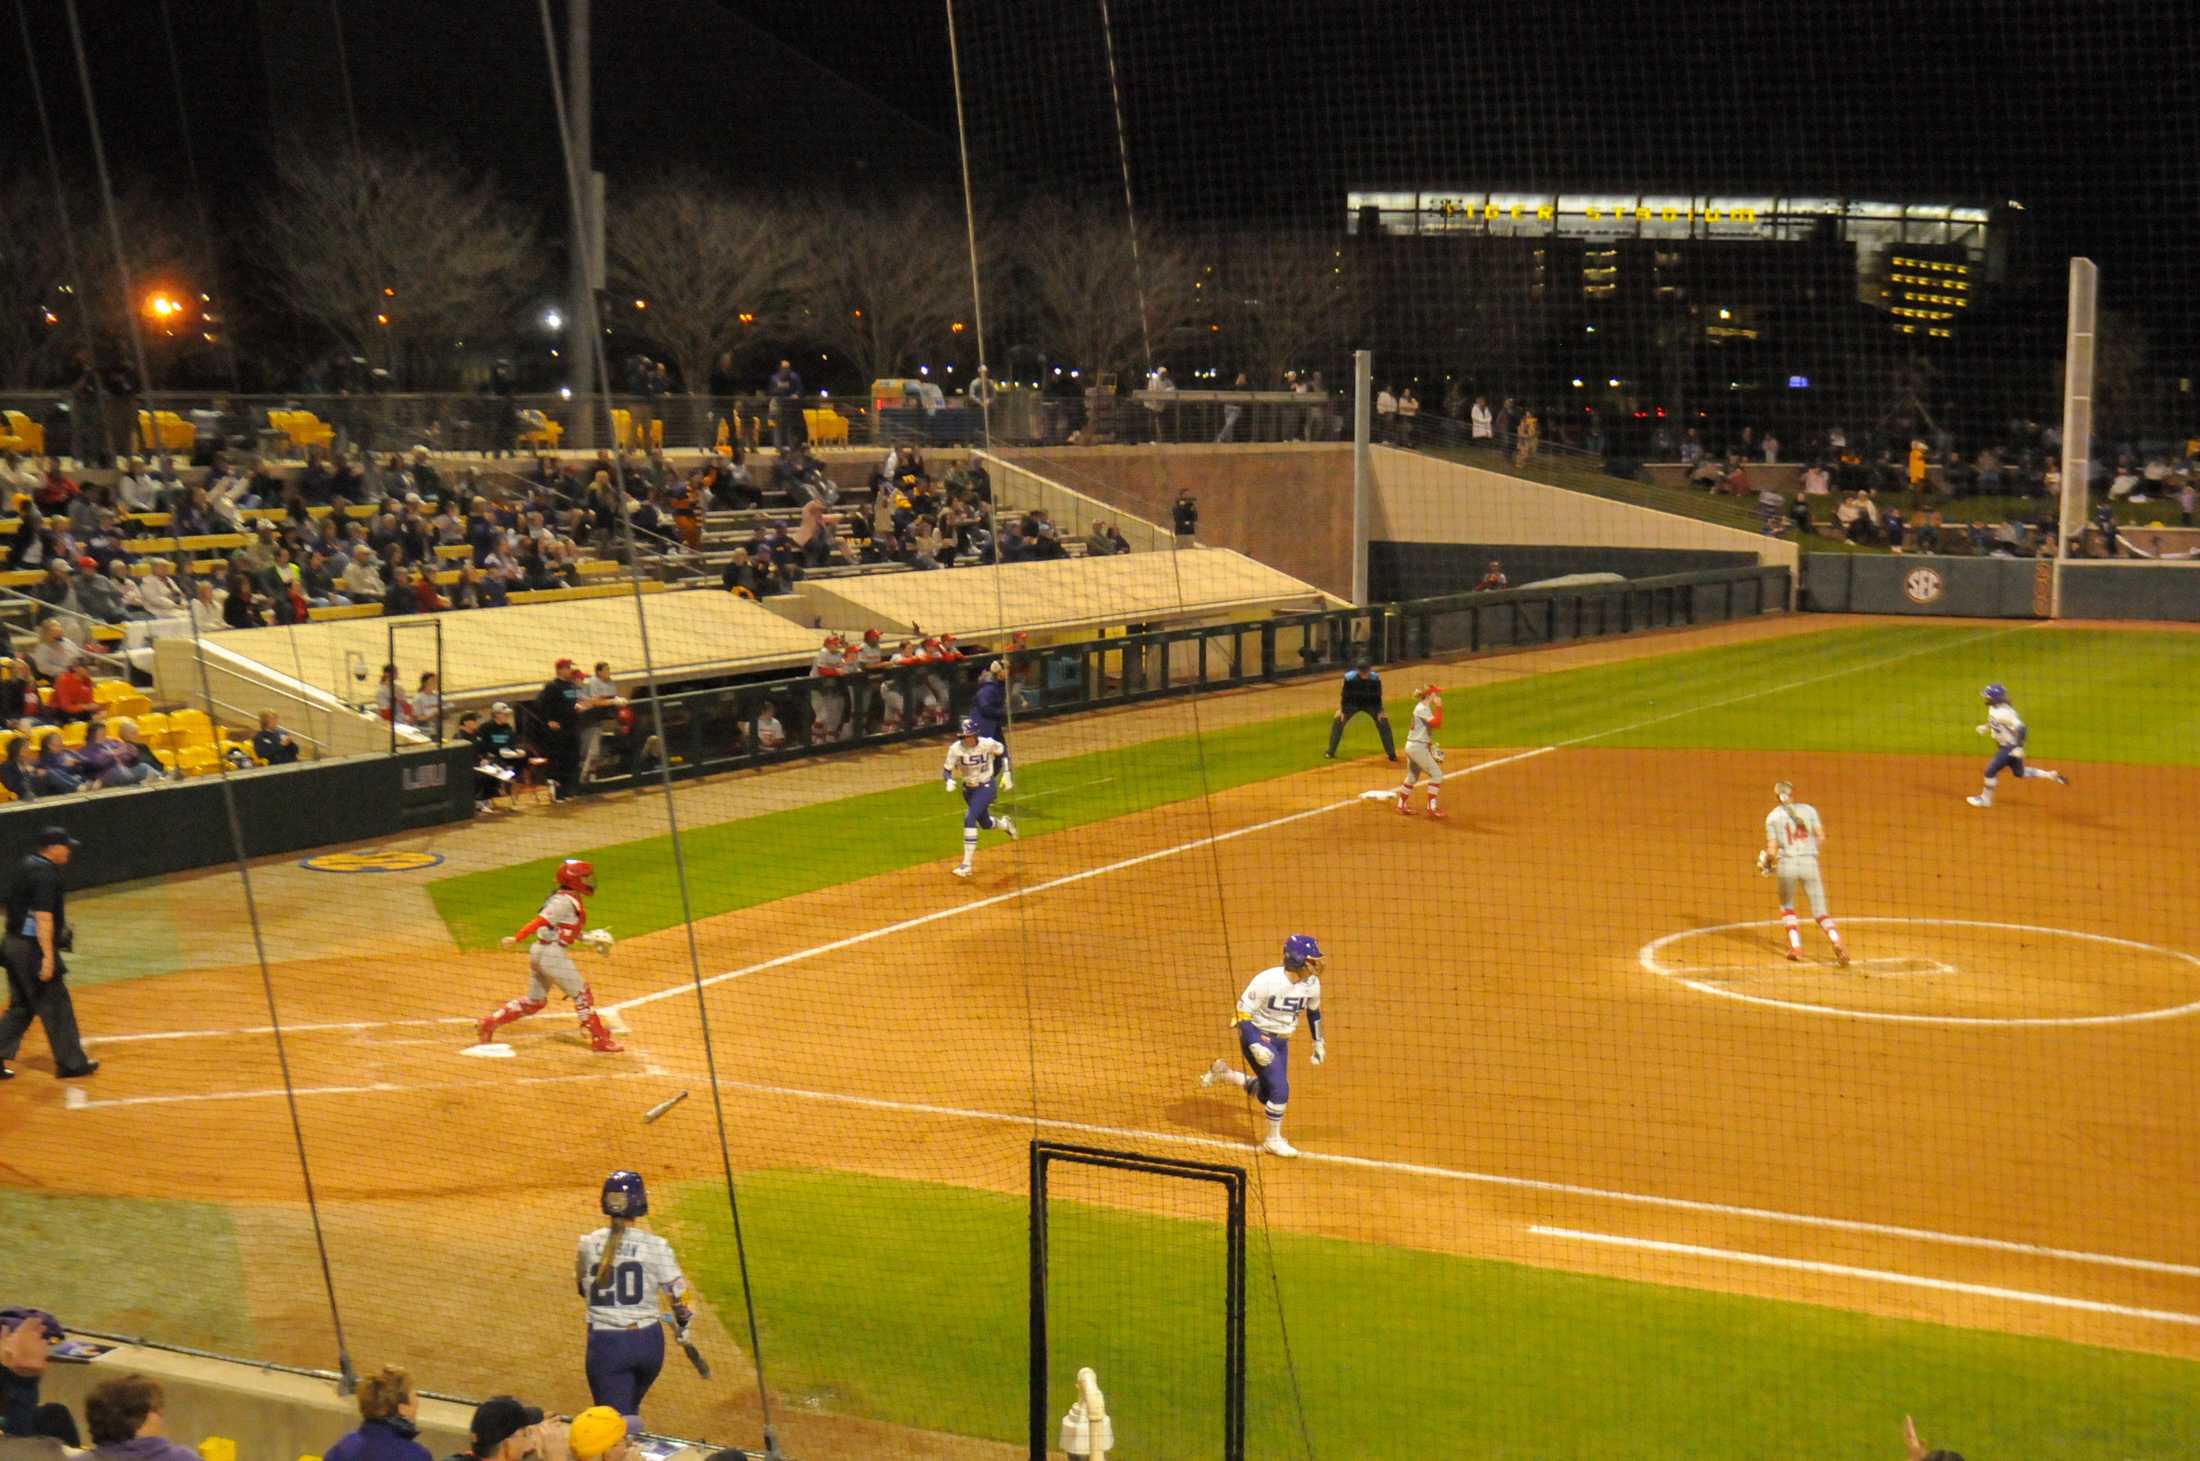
(580, 349)
(1363, 468)
(2077, 434)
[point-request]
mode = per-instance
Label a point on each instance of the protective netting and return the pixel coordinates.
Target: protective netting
(1675, 326)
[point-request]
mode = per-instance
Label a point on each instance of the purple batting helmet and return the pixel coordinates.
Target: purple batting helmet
(624, 1196)
(1299, 950)
(1995, 695)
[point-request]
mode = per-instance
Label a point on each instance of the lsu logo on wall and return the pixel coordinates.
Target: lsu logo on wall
(370, 862)
(1923, 585)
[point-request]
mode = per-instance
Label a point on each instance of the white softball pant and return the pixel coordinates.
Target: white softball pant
(552, 964)
(1807, 875)
(1420, 763)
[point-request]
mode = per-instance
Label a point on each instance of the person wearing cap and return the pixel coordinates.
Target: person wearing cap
(38, 934)
(503, 1430)
(599, 1433)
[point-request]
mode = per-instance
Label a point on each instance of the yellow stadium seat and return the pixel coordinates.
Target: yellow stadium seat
(72, 734)
(197, 760)
(106, 690)
(29, 433)
(827, 426)
(152, 723)
(217, 1448)
(622, 427)
(195, 721)
(128, 706)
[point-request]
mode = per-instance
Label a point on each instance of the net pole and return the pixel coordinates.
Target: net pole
(2077, 443)
(1363, 468)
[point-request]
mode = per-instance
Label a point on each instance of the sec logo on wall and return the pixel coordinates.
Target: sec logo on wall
(1923, 585)
(370, 862)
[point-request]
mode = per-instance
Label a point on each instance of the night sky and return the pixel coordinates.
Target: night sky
(1253, 113)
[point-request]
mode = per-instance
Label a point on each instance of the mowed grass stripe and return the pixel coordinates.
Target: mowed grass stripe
(2090, 695)
(906, 1302)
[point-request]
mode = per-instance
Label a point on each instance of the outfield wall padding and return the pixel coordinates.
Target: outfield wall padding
(1926, 585)
(1398, 571)
(2131, 590)
(148, 832)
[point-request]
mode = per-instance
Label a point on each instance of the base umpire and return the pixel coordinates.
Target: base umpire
(37, 935)
(1362, 695)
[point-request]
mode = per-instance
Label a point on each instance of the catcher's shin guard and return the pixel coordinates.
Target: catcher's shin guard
(504, 1014)
(599, 1034)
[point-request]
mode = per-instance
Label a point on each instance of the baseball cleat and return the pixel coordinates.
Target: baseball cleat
(1978, 801)
(1215, 1072)
(485, 1030)
(607, 1046)
(1841, 955)
(1405, 808)
(1276, 1146)
(1008, 825)
(1432, 810)
(2061, 780)
(1795, 956)
(960, 872)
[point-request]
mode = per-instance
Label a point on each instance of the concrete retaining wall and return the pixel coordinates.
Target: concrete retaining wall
(1927, 584)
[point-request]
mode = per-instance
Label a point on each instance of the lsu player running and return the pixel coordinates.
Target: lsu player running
(554, 931)
(1793, 836)
(1267, 1017)
(2008, 730)
(1424, 758)
(972, 761)
(622, 1270)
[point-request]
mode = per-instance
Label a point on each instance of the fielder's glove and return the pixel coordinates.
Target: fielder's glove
(1321, 1052)
(1438, 753)
(598, 939)
(1764, 863)
(507, 942)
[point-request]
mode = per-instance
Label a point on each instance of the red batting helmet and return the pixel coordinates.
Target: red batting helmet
(576, 876)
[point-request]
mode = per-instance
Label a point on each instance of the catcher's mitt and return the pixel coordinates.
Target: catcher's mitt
(1764, 864)
(597, 939)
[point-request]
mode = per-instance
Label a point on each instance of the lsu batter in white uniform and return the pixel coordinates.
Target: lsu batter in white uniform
(2008, 731)
(1424, 758)
(1267, 1017)
(1793, 836)
(969, 768)
(623, 1270)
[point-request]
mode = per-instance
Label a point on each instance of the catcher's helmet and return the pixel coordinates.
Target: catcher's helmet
(1299, 950)
(624, 1196)
(1995, 695)
(576, 876)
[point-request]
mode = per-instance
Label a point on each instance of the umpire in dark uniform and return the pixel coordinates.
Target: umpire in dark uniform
(38, 934)
(1362, 695)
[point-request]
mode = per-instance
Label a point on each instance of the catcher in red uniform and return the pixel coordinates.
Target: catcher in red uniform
(554, 932)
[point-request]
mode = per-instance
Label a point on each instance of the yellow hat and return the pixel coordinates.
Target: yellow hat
(595, 1431)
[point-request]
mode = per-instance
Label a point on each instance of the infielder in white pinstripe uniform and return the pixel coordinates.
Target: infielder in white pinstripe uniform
(1793, 836)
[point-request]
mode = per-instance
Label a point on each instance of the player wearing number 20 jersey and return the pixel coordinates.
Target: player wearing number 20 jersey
(623, 1271)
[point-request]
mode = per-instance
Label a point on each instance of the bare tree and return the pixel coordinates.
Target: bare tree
(40, 328)
(1285, 304)
(882, 281)
(396, 256)
(1091, 302)
(706, 264)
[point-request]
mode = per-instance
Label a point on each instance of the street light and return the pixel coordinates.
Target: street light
(552, 321)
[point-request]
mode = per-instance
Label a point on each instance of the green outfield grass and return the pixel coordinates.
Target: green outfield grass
(1903, 687)
(85, 1259)
(906, 1302)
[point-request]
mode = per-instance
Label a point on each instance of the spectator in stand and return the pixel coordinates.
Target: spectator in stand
(1817, 481)
(73, 696)
(785, 389)
(127, 731)
(57, 590)
(426, 598)
(362, 580)
(1925, 532)
(389, 697)
(124, 1417)
(1386, 414)
(240, 609)
(18, 692)
(1918, 466)
(503, 1430)
(1493, 577)
(1799, 515)
(126, 589)
(1481, 424)
(108, 760)
(814, 539)
(27, 1338)
(1892, 525)
(428, 705)
(1770, 449)
(1097, 542)
(21, 773)
(96, 594)
(387, 1408)
(401, 597)
(59, 771)
(54, 651)
(1184, 516)
(1409, 415)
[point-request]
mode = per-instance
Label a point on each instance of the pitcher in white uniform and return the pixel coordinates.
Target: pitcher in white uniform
(1424, 758)
(1794, 834)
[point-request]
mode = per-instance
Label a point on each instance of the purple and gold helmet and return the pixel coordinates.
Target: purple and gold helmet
(1300, 950)
(1995, 695)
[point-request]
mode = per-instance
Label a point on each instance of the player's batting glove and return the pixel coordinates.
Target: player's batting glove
(1980, 729)
(948, 787)
(1321, 1052)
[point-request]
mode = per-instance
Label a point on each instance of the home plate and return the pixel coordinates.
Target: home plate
(497, 1051)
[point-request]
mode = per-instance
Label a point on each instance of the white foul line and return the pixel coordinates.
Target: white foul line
(79, 1099)
(1871, 1275)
